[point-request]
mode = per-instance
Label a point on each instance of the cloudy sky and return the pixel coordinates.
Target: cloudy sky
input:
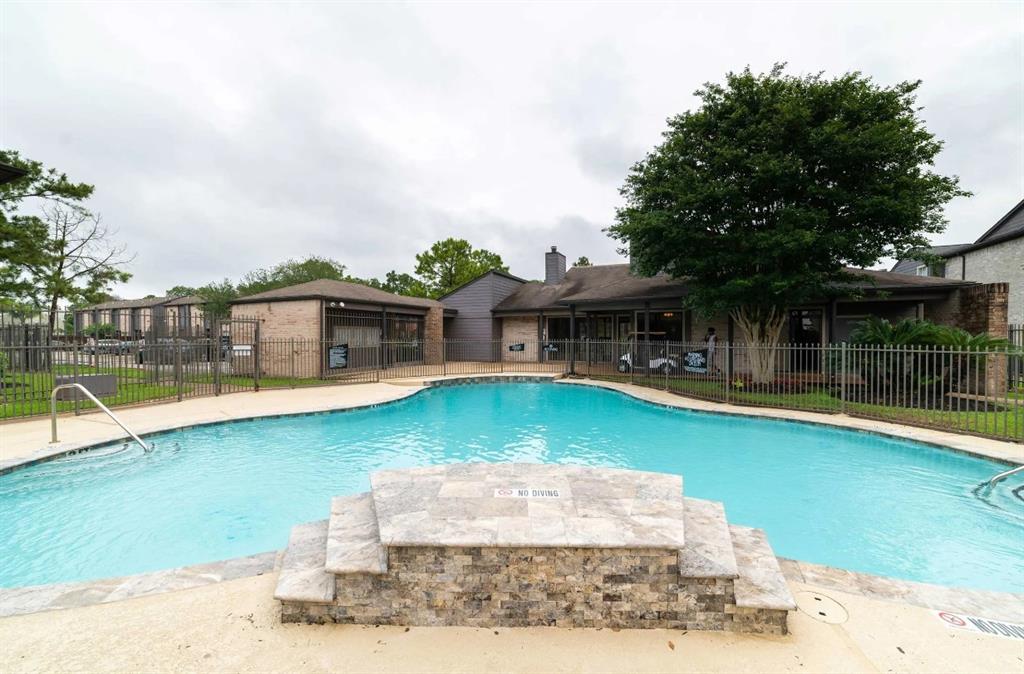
(226, 137)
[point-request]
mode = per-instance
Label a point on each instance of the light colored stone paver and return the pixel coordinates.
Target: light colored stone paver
(1004, 606)
(20, 600)
(760, 584)
(353, 541)
(477, 504)
(303, 577)
(708, 552)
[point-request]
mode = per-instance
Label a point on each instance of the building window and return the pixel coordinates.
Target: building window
(922, 270)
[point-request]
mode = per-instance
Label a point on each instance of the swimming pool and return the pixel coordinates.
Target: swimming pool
(854, 500)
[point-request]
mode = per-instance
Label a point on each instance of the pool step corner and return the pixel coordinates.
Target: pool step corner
(303, 578)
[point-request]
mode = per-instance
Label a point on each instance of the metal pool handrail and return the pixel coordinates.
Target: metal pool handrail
(1002, 476)
(88, 393)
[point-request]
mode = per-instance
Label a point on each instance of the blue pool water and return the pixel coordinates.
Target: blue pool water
(842, 498)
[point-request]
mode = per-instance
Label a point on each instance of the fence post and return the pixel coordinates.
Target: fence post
(444, 357)
(588, 357)
(257, 348)
(842, 378)
(177, 368)
(217, 355)
(74, 371)
(728, 370)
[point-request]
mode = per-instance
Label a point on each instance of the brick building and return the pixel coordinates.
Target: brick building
(997, 256)
(301, 323)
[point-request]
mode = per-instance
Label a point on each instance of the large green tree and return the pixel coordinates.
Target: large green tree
(291, 272)
(25, 243)
(452, 262)
(763, 196)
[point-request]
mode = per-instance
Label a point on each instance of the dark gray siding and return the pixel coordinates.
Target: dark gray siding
(906, 267)
(474, 302)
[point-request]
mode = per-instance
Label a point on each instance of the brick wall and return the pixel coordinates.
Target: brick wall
(433, 335)
(983, 309)
(519, 330)
(280, 324)
(1001, 263)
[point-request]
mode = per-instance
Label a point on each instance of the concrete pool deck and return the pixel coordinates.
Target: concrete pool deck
(235, 626)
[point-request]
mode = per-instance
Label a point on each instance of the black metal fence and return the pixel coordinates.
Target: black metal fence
(961, 390)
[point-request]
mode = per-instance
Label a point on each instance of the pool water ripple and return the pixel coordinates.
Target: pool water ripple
(830, 496)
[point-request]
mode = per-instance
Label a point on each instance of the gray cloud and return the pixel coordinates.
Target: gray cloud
(225, 137)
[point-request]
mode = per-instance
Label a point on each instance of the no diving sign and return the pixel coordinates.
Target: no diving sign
(959, 621)
(527, 492)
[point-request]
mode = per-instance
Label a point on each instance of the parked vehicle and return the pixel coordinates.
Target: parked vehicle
(648, 356)
(110, 346)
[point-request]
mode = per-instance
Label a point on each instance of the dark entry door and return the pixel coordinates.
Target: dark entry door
(805, 333)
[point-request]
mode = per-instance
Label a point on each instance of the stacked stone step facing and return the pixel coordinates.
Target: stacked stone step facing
(724, 577)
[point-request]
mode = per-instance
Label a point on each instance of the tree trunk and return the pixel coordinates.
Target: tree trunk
(761, 328)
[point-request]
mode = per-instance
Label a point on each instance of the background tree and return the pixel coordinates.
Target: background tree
(404, 284)
(180, 291)
(452, 262)
(217, 297)
(290, 273)
(764, 195)
(80, 261)
(24, 236)
(582, 261)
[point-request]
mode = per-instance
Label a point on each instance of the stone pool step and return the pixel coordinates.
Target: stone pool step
(303, 577)
(353, 537)
(760, 584)
(708, 552)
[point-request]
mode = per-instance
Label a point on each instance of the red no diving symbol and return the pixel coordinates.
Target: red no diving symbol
(953, 619)
(504, 492)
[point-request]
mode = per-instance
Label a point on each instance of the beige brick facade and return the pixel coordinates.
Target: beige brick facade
(290, 336)
(999, 263)
(519, 330)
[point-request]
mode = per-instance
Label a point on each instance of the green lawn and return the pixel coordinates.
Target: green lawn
(26, 394)
(265, 382)
(1005, 424)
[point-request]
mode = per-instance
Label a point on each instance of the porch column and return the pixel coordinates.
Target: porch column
(572, 339)
(540, 337)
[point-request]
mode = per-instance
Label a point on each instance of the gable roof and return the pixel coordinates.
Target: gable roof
(615, 283)
(910, 265)
(599, 283)
(186, 299)
(338, 290)
(496, 272)
(142, 303)
(1010, 225)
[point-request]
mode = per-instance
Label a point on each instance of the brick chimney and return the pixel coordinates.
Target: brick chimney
(554, 266)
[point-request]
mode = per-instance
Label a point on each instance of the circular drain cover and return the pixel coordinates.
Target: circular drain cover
(820, 607)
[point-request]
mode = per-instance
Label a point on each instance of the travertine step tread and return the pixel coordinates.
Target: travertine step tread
(303, 577)
(353, 540)
(760, 583)
(528, 505)
(708, 552)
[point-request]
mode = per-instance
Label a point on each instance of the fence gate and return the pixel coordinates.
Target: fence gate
(238, 366)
